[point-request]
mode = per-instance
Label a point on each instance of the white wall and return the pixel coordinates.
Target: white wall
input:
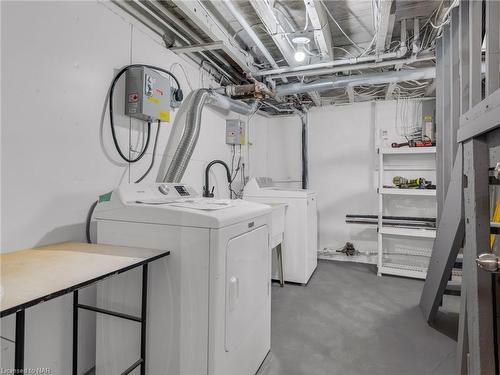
(58, 59)
(343, 169)
(284, 157)
(342, 160)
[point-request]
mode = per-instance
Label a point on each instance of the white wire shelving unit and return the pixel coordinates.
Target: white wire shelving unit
(386, 265)
(394, 191)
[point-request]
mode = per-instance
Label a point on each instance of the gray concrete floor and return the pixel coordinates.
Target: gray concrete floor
(348, 321)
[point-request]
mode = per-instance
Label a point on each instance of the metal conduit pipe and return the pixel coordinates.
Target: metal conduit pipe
(357, 80)
(298, 70)
(305, 162)
(186, 131)
(370, 65)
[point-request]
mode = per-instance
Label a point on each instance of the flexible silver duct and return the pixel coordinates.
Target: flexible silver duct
(219, 101)
(186, 131)
(189, 138)
(357, 80)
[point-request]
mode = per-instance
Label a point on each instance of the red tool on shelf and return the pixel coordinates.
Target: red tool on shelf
(414, 143)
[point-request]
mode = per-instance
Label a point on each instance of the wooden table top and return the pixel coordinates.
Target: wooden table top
(31, 276)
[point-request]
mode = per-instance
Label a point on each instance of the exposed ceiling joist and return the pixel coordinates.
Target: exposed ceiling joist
(198, 13)
(385, 26)
(274, 28)
(388, 38)
(322, 33)
(198, 47)
(182, 30)
(130, 7)
(253, 36)
(277, 32)
(207, 32)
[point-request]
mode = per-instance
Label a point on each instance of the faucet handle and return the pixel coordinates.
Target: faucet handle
(208, 193)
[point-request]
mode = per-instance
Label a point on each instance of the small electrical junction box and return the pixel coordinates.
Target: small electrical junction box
(147, 95)
(235, 132)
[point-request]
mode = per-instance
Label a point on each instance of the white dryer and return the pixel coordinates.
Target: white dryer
(300, 244)
(208, 302)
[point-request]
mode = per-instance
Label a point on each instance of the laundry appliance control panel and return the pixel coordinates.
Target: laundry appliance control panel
(156, 192)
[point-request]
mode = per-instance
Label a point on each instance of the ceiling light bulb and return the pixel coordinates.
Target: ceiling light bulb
(300, 52)
(300, 56)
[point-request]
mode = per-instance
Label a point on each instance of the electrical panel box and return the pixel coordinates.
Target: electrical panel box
(428, 122)
(147, 95)
(235, 132)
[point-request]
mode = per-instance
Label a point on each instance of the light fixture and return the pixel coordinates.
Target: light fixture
(300, 51)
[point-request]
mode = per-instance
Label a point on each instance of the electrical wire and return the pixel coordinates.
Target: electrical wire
(286, 17)
(89, 220)
(408, 123)
(307, 21)
(445, 16)
(111, 113)
(115, 140)
(243, 177)
(377, 21)
(234, 173)
(344, 50)
(188, 81)
(153, 156)
(233, 152)
(339, 27)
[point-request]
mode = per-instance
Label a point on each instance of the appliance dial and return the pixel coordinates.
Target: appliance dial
(164, 189)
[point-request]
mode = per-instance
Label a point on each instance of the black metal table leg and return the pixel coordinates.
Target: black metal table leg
(143, 317)
(19, 345)
(75, 332)
(279, 253)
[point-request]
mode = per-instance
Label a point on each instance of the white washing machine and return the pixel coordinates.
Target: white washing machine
(209, 306)
(300, 244)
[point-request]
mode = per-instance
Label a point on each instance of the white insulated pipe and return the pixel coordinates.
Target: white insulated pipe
(357, 80)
